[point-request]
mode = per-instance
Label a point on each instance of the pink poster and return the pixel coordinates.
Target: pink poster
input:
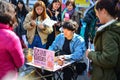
(44, 58)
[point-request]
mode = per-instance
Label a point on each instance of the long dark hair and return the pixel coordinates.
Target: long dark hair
(111, 6)
(71, 2)
(51, 5)
(24, 10)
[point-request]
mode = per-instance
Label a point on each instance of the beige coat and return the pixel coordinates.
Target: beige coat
(43, 33)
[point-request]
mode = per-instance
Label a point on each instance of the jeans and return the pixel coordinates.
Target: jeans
(37, 42)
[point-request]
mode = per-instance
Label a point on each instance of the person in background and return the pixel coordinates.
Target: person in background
(46, 2)
(54, 12)
(70, 46)
(90, 19)
(11, 54)
(13, 2)
(21, 13)
(70, 13)
(63, 4)
(106, 57)
(37, 32)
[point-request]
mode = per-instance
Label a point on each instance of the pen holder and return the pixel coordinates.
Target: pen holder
(29, 56)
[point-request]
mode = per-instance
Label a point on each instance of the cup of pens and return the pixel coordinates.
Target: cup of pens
(29, 56)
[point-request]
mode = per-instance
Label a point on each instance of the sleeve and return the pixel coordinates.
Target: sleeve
(90, 15)
(79, 50)
(47, 30)
(107, 58)
(26, 23)
(55, 45)
(49, 13)
(15, 50)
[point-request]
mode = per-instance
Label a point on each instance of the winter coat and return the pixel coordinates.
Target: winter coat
(77, 46)
(43, 33)
(106, 54)
(11, 54)
(76, 16)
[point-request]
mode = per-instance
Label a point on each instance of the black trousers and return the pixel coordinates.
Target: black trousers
(67, 73)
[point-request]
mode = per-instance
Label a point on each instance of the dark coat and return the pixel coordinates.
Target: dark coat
(106, 54)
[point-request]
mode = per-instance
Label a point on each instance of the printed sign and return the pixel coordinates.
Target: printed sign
(44, 58)
(82, 3)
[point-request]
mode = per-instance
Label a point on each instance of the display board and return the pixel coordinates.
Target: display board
(43, 58)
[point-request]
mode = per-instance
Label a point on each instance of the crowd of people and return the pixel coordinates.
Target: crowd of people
(22, 28)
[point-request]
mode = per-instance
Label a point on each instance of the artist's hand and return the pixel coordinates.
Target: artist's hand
(61, 57)
(56, 59)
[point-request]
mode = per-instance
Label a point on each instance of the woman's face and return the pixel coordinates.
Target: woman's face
(70, 7)
(39, 10)
(56, 5)
(20, 5)
(68, 33)
(101, 15)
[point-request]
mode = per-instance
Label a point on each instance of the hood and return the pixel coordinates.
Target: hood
(113, 25)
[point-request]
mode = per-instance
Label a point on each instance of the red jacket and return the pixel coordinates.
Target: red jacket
(11, 54)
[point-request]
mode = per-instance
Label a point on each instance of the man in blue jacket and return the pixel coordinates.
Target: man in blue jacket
(70, 45)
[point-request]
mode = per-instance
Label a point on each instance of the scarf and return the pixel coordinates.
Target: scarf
(71, 12)
(66, 11)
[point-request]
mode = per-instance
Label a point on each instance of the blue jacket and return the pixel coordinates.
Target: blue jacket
(77, 46)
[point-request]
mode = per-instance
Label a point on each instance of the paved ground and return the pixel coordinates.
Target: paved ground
(32, 76)
(83, 77)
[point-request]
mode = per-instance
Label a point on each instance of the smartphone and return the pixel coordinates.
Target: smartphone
(67, 17)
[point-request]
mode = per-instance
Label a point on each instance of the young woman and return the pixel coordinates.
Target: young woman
(70, 13)
(37, 32)
(106, 57)
(21, 13)
(11, 53)
(54, 12)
